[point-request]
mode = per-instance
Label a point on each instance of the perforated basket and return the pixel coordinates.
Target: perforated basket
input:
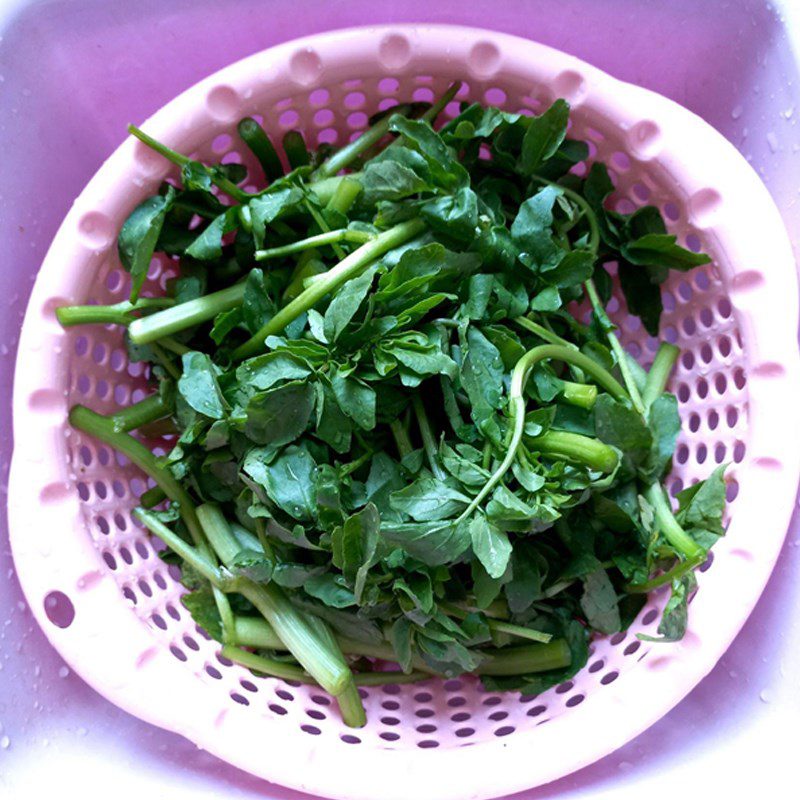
(112, 608)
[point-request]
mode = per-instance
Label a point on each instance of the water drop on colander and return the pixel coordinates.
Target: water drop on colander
(772, 141)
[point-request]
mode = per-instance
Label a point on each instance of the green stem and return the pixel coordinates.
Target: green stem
(516, 403)
(616, 347)
(302, 641)
(148, 410)
(488, 450)
(676, 572)
(348, 268)
(497, 609)
(102, 428)
(659, 373)
(299, 636)
(269, 666)
(308, 265)
(261, 535)
(201, 559)
(575, 448)
(349, 469)
(117, 314)
(349, 153)
(557, 588)
(256, 632)
(181, 160)
(255, 137)
(669, 526)
(344, 157)
(295, 148)
(428, 440)
(527, 659)
(165, 361)
(582, 395)
(152, 497)
(191, 555)
(380, 650)
(322, 223)
(344, 195)
(351, 707)
(654, 386)
(433, 112)
(400, 434)
(329, 237)
(185, 315)
(219, 533)
(543, 333)
(246, 539)
(498, 626)
(519, 631)
(505, 661)
(225, 615)
(280, 669)
(593, 243)
(393, 676)
(548, 336)
(326, 189)
(168, 343)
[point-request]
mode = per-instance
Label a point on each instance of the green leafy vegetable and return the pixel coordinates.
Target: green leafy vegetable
(139, 235)
(390, 438)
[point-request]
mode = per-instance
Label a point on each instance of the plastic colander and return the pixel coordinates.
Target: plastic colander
(111, 607)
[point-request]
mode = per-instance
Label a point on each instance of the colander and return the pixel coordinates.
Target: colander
(111, 607)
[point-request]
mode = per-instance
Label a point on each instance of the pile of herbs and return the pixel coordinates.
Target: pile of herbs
(389, 438)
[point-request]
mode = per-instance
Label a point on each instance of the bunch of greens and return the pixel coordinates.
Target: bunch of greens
(388, 436)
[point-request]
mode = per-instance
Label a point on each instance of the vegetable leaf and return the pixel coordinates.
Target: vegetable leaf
(490, 545)
(544, 136)
(599, 602)
(138, 237)
(198, 385)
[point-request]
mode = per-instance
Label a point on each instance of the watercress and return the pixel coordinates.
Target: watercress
(388, 437)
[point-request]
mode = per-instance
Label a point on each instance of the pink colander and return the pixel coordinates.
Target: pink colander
(111, 607)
